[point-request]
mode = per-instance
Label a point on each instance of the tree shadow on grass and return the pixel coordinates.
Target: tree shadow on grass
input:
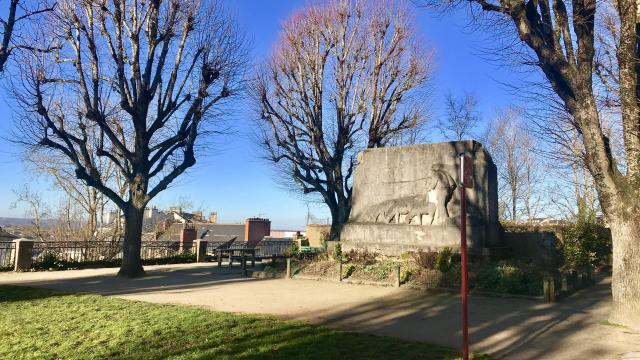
(174, 279)
(11, 293)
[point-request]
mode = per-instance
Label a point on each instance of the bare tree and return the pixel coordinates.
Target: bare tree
(134, 83)
(571, 51)
(512, 148)
(343, 77)
(18, 13)
(87, 213)
(462, 117)
(37, 209)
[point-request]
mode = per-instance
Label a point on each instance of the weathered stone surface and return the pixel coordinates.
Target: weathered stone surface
(407, 198)
(23, 252)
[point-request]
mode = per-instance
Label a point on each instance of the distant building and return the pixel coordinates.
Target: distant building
(253, 230)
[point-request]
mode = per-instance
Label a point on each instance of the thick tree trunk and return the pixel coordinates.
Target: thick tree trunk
(339, 217)
(131, 263)
(625, 286)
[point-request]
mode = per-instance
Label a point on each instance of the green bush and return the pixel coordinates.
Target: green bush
(50, 261)
(292, 251)
(407, 273)
(337, 252)
(509, 278)
(347, 270)
(380, 271)
(585, 244)
(443, 261)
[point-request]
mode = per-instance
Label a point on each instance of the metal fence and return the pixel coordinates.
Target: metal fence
(75, 251)
(153, 250)
(96, 251)
(6, 255)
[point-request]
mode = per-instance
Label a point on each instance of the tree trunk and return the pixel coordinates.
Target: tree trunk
(131, 263)
(625, 285)
(339, 217)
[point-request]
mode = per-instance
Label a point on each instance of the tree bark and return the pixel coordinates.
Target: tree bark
(339, 217)
(625, 285)
(131, 266)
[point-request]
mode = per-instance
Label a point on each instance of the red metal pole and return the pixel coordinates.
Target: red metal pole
(464, 289)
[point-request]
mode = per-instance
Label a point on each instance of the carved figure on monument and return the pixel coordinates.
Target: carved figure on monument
(441, 186)
(433, 204)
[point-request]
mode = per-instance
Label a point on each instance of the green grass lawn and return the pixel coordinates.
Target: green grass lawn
(42, 324)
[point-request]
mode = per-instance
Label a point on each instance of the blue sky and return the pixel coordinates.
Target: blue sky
(232, 180)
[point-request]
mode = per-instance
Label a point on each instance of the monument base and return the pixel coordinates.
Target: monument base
(395, 239)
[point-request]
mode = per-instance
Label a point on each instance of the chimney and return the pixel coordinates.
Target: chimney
(255, 229)
(213, 218)
(187, 236)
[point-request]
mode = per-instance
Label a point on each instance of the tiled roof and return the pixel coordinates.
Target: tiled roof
(219, 231)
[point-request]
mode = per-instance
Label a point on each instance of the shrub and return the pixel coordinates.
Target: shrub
(347, 270)
(337, 252)
(407, 273)
(50, 261)
(293, 250)
(381, 270)
(362, 257)
(585, 244)
(510, 278)
(443, 260)
(425, 260)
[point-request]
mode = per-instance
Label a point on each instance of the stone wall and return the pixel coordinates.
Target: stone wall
(407, 198)
(316, 234)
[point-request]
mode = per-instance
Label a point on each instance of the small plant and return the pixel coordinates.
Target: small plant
(50, 261)
(337, 252)
(292, 251)
(443, 260)
(407, 273)
(362, 257)
(424, 259)
(347, 270)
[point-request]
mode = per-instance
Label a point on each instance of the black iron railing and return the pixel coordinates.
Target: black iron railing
(75, 251)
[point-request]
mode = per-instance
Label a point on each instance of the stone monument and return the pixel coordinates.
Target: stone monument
(407, 198)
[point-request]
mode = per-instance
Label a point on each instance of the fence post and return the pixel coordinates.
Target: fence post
(201, 250)
(244, 264)
(339, 270)
(23, 252)
(398, 276)
(288, 268)
(548, 288)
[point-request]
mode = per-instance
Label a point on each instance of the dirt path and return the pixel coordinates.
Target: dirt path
(509, 328)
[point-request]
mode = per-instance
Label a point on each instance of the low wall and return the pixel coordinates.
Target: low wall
(317, 233)
(395, 239)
